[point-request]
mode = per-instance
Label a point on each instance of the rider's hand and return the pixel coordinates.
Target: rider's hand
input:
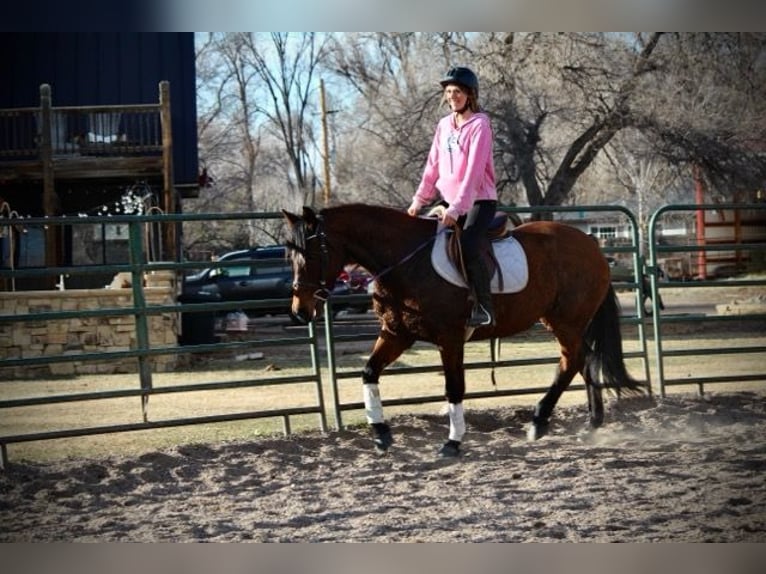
(412, 210)
(447, 221)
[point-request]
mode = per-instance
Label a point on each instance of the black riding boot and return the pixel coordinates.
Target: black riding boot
(482, 313)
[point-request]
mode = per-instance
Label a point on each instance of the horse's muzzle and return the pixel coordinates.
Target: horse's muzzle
(303, 311)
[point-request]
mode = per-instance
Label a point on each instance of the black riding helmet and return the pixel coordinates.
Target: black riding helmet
(462, 77)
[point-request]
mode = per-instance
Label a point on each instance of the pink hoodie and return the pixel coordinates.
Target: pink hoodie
(459, 165)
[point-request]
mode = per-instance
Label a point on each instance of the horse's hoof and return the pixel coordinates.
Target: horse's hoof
(383, 442)
(451, 449)
(383, 437)
(596, 422)
(536, 431)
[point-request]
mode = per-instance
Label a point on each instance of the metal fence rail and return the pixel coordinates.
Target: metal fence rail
(143, 350)
(665, 356)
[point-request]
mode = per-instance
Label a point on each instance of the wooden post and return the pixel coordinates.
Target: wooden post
(168, 192)
(49, 184)
(325, 144)
(699, 197)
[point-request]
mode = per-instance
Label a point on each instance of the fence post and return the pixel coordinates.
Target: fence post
(46, 157)
(139, 304)
(169, 205)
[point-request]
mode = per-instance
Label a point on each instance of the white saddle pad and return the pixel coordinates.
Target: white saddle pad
(510, 257)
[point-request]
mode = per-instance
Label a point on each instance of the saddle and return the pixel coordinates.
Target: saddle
(497, 230)
(507, 256)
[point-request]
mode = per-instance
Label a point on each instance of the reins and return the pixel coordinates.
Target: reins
(409, 256)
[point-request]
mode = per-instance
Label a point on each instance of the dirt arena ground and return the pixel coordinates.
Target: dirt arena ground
(679, 469)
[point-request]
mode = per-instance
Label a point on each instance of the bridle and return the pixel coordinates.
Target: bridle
(322, 292)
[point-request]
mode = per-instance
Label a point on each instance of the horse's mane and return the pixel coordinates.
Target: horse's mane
(394, 219)
(361, 209)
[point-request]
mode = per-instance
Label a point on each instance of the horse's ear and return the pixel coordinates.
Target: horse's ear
(291, 218)
(309, 215)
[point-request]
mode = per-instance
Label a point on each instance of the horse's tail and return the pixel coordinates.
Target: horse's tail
(604, 343)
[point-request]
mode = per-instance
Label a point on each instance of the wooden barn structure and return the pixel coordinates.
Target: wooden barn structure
(86, 117)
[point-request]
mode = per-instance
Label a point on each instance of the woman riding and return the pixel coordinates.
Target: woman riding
(460, 168)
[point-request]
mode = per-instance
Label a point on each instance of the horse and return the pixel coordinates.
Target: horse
(568, 290)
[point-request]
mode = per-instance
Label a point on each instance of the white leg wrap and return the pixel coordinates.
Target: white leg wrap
(456, 422)
(372, 405)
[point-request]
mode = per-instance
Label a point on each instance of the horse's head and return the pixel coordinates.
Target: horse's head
(317, 260)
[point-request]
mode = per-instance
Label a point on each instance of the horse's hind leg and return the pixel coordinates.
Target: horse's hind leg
(571, 362)
(595, 398)
(388, 347)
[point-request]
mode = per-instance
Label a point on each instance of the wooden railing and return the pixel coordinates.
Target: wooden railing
(66, 134)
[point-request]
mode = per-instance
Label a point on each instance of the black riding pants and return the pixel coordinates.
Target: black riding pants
(475, 224)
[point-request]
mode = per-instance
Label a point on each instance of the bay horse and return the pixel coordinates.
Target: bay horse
(569, 290)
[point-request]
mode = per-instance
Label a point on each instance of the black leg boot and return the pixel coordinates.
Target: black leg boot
(482, 313)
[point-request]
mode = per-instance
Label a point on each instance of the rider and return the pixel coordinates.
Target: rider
(460, 168)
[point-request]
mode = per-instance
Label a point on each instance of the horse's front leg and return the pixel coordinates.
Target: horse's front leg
(388, 347)
(454, 387)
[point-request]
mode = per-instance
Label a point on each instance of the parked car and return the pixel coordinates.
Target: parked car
(258, 274)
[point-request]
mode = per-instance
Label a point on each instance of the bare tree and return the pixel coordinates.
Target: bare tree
(287, 68)
(230, 135)
(394, 83)
(556, 101)
(645, 181)
(710, 108)
(258, 95)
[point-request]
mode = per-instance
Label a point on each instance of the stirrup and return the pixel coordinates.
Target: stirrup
(480, 316)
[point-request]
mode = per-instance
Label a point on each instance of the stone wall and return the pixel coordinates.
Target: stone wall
(79, 335)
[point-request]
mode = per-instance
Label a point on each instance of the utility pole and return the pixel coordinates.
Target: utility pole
(325, 144)
(699, 197)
